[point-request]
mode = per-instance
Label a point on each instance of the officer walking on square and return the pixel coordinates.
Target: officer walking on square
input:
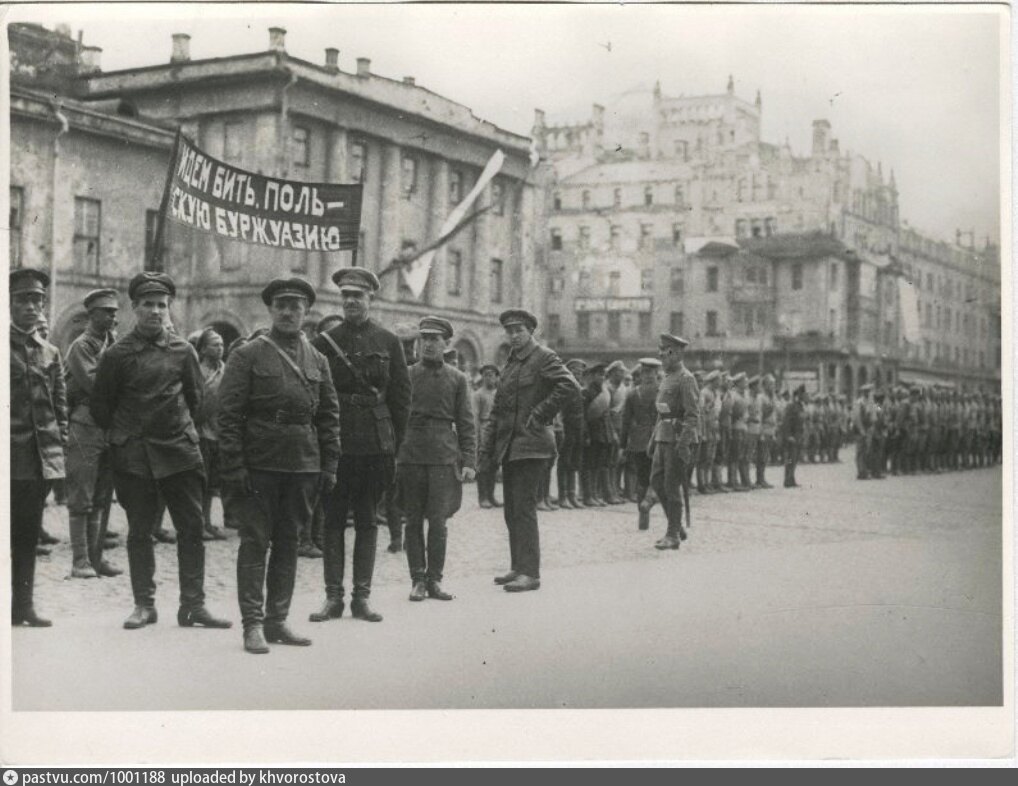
(639, 417)
(674, 440)
(279, 448)
(369, 371)
(38, 418)
(533, 389)
(89, 472)
(148, 390)
(437, 456)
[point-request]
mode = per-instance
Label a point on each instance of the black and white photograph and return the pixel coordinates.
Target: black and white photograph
(507, 382)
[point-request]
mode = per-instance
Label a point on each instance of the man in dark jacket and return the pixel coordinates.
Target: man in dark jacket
(574, 434)
(370, 374)
(148, 390)
(38, 412)
(279, 447)
(639, 416)
(791, 433)
(533, 388)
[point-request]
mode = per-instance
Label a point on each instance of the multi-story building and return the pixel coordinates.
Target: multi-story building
(417, 154)
(672, 215)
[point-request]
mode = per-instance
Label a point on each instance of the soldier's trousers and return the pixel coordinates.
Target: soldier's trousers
(763, 456)
(749, 451)
(271, 517)
(89, 482)
(520, 484)
(875, 452)
(862, 457)
(361, 481)
(432, 493)
(708, 447)
(668, 471)
(791, 451)
(486, 485)
(182, 492)
(28, 501)
(641, 467)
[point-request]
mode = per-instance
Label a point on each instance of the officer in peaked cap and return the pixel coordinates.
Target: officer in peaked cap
(155, 447)
(518, 316)
(89, 468)
(279, 448)
(38, 420)
(369, 369)
(436, 457)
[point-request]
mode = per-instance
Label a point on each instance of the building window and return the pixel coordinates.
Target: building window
(770, 226)
(455, 187)
(454, 272)
(151, 229)
(615, 237)
(647, 279)
(498, 199)
(556, 201)
(644, 325)
(233, 142)
(584, 238)
(797, 275)
(740, 227)
(586, 200)
(358, 163)
(556, 240)
(583, 325)
(301, 146)
(926, 349)
(614, 325)
(756, 228)
(712, 323)
(409, 179)
(677, 285)
(646, 234)
(614, 283)
(676, 234)
(648, 196)
(583, 282)
(496, 281)
(834, 275)
(712, 279)
(680, 195)
(832, 321)
(87, 224)
(751, 274)
(558, 285)
(929, 315)
(554, 326)
(762, 276)
(929, 282)
(617, 197)
(677, 323)
(16, 218)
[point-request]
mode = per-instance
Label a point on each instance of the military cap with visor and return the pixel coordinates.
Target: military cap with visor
(101, 298)
(435, 326)
(518, 316)
(288, 287)
(151, 283)
(27, 279)
(358, 278)
(490, 367)
(650, 362)
(595, 367)
(668, 340)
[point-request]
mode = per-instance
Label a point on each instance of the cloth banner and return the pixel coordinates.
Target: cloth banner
(909, 304)
(223, 200)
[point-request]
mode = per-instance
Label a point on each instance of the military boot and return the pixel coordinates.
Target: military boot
(81, 568)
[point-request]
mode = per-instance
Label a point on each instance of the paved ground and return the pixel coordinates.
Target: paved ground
(842, 593)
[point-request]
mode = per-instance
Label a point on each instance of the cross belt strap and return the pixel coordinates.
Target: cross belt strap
(289, 361)
(357, 376)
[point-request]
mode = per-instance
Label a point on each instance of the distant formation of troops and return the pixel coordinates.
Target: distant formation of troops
(309, 428)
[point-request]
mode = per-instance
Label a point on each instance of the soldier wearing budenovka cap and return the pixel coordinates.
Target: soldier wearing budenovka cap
(436, 457)
(370, 374)
(89, 471)
(279, 448)
(38, 419)
(147, 392)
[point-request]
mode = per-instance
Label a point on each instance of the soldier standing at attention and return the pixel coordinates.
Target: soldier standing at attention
(533, 389)
(614, 376)
(639, 416)
(862, 420)
(754, 415)
(89, 473)
(435, 459)
(597, 450)
(574, 435)
(791, 433)
(484, 399)
(370, 375)
(709, 442)
(674, 439)
(148, 390)
(737, 451)
(210, 354)
(768, 424)
(38, 417)
(279, 443)
(724, 407)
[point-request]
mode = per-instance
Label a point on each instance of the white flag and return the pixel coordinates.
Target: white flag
(416, 274)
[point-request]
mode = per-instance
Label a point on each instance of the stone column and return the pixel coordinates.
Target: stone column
(438, 210)
(389, 235)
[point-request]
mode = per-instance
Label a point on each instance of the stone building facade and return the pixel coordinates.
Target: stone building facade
(417, 154)
(672, 215)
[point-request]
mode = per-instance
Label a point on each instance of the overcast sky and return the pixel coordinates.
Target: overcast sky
(914, 88)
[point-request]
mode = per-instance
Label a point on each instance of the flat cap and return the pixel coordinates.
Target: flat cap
(490, 367)
(356, 278)
(668, 340)
(650, 362)
(101, 298)
(151, 283)
(616, 364)
(288, 287)
(518, 316)
(436, 326)
(712, 376)
(27, 279)
(739, 377)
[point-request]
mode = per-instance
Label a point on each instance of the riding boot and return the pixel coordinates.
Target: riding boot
(80, 565)
(282, 574)
(562, 475)
(571, 495)
(364, 546)
(733, 476)
(96, 538)
(333, 566)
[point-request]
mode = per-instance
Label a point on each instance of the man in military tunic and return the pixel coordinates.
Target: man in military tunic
(754, 416)
(533, 389)
(724, 408)
(639, 417)
(709, 442)
(89, 472)
(574, 435)
(791, 433)
(38, 418)
(436, 458)
(737, 450)
(598, 444)
(370, 374)
(148, 390)
(279, 448)
(674, 439)
(484, 399)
